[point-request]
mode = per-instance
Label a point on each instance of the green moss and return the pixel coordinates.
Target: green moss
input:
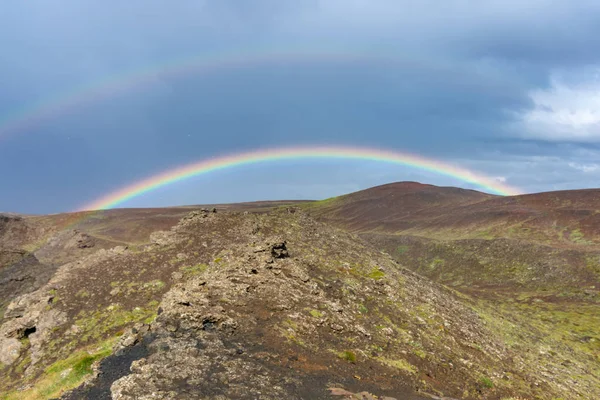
(593, 264)
(348, 356)
(64, 374)
(376, 274)
(23, 364)
(486, 382)
(99, 323)
(321, 203)
(82, 293)
(289, 323)
(154, 285)
(290, 334)
(577, 237)
(192, 270)
(401, 249)
(434, 264)
(400, 364)
(316, 313)
(484, 234)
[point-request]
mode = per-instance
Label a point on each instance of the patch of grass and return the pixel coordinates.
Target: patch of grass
(289, 323)
(400, 364)
(82, 294)
(321, 203)
(593, 264)
(65, 374)
(192, 270)
(484, 234)
(401, 249)
(347, 355)
(316, 313)
(376, 274)
(96, 324)
(436, 263)
(154, 285)
(290, 334)
(486, 382)
(576, 236)
(23, 364)
(362, 309)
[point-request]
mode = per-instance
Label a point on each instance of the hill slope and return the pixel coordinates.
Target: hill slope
(533, 259)
(566, 219)
(394, 207)
(236, 304)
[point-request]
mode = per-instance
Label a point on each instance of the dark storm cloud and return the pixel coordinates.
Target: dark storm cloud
(507, 88)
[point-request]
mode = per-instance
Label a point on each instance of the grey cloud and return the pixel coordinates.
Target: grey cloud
(504, 87)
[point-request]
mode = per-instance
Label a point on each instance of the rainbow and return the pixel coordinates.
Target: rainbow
(37, 113)
(45, 109)
(286, 153)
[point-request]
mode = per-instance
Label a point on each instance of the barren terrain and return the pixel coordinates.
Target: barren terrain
(404, 291)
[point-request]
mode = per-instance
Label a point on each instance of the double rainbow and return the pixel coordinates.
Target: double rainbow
(287, 153)
(35, 114)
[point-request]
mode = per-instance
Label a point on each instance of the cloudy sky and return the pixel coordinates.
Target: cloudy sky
(95, 96)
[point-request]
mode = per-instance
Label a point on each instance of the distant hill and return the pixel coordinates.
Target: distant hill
(567, 219)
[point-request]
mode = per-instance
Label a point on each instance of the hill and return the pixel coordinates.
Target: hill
(533, 259)
(262, 300)
(565, 219)
(394, 207)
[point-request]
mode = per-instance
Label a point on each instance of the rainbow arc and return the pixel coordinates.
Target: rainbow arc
(287, 153)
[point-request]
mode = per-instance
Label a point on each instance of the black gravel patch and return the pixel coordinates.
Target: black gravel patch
(111, 369)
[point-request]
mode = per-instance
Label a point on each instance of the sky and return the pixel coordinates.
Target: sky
(95, 96)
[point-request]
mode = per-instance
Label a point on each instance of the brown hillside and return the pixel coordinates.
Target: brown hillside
(532, 259)
(394, 206)
(564, 219)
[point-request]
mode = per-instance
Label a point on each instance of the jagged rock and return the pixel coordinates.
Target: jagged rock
(85, 241)
(10, 349)
(279, 250)
(80, 240)
(131, 337)
(14, 311)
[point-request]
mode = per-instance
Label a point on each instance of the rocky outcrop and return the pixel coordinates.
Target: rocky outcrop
(32, 316)
(80, 240)
(23, 275)
(281, 315)
(28, 318)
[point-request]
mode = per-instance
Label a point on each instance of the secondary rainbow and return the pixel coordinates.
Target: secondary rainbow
(288, 153)
(45, 109)
(112, 85)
